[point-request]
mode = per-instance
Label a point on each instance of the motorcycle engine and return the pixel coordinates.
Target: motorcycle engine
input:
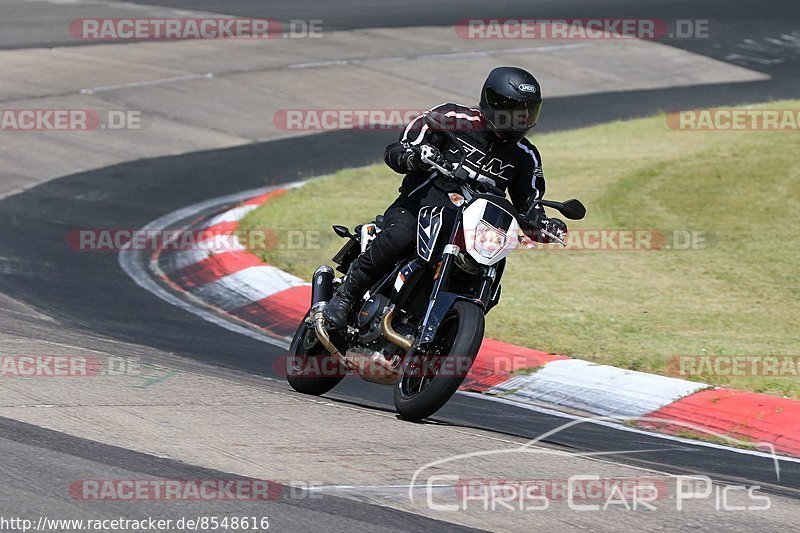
(369, 318)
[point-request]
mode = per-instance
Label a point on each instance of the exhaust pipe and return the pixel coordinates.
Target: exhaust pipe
(372, 366)
(391, 335)
(322, 333)
(321, 293)
(322, 285)
(386, 327)
(362, 362)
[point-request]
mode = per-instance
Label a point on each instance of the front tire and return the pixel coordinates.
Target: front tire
(424, 386)
(310, 368)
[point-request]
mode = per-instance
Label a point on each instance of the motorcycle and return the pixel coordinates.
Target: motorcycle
(420, 327)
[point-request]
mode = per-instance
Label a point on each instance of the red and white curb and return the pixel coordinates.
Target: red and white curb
(254, 296)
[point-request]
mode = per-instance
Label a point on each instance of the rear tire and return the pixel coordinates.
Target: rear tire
(464, 324)
(310, 368)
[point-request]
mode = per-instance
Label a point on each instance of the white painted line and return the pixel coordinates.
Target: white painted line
(219, 244)
(153, 10)
(328, 63)
(232, 215)
(501, 51)
(438, 57)
(135, 264)
(172, 79)
(246, 286)
(597, 389)
(179, 260)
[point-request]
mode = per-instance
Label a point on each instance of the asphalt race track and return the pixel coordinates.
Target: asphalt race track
(66, 457)
(53, 278)
(92, 298)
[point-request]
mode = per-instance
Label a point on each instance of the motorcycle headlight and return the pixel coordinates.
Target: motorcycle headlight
(489, 241)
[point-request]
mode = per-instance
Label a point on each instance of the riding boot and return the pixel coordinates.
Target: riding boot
(355, 285)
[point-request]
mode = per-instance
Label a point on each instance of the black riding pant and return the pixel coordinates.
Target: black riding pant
(395, 240)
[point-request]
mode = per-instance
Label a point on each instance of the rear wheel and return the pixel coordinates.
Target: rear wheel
(431, 376)
(310, 368)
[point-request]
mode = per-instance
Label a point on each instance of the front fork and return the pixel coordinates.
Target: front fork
(441, 301)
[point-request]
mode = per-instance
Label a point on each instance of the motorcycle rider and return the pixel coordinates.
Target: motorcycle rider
(497, 150)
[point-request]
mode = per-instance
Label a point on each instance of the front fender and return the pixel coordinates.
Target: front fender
(437, 310)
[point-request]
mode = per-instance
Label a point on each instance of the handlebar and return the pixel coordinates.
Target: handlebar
(572, 209)
(480, 182)
(491, 189)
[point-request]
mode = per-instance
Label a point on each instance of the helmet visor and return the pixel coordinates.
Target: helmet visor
(511, 114)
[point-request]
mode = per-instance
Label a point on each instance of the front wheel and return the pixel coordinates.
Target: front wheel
(310, 368)
(429, 377)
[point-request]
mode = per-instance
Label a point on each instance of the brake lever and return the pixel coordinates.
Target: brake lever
(446, 172)
(554, 237)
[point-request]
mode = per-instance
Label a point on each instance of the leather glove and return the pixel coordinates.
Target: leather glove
(412, 157)
(557, 227)
(538, 221)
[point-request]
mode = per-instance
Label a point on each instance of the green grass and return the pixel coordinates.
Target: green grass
(739, 295)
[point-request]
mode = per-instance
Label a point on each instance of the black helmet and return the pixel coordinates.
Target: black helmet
(511, 100)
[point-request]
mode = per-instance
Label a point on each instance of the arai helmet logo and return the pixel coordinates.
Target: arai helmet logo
(527, 87)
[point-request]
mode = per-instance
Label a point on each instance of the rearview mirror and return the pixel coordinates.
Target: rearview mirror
(572, 209)
(342, 231)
